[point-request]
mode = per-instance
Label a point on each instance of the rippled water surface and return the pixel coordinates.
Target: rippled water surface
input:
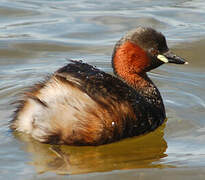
(36, 38)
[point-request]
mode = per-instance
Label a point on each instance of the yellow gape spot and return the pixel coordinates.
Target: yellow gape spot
(162, 58)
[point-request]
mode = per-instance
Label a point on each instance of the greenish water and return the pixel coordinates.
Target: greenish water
(37, 37)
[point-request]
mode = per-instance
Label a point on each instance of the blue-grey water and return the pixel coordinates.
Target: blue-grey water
(38, 36)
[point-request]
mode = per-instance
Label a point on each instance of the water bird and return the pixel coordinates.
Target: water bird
(82, 105)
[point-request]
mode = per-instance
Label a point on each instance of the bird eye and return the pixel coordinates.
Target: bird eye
(153, 51)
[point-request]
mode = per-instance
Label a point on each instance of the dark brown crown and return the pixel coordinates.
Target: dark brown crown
(146, 38)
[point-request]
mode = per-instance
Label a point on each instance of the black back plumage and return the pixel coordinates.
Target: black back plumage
(97, 84)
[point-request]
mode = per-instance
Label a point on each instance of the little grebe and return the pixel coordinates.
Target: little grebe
(82, 105)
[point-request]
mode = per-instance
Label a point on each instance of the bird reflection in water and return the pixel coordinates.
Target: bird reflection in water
(145, 151)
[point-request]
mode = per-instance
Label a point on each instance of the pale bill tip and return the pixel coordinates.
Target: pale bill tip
(186, 63)
(162, 58)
